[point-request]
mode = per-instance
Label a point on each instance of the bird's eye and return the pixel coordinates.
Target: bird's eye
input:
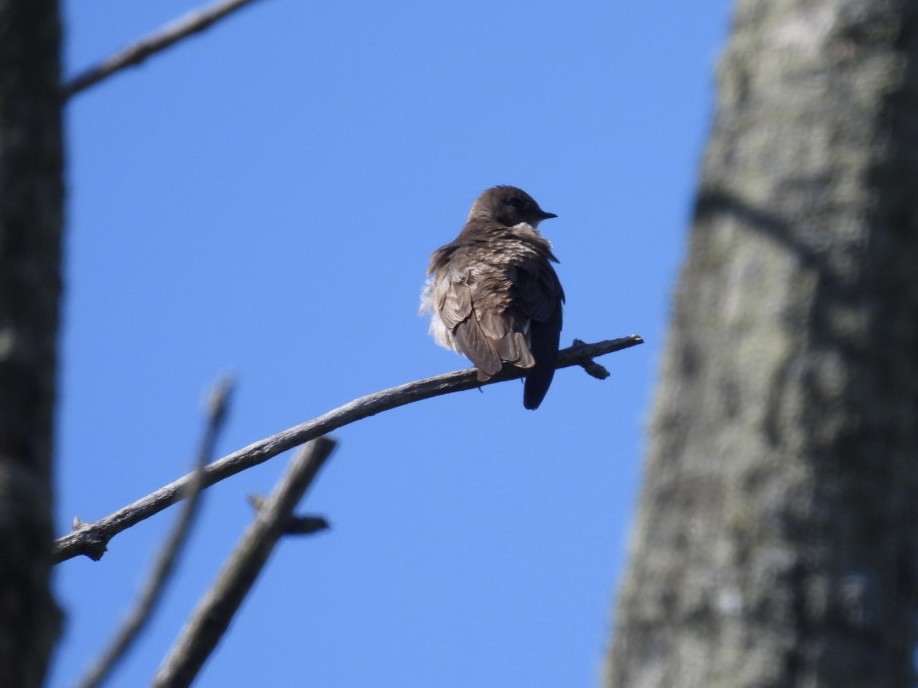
(516, 203)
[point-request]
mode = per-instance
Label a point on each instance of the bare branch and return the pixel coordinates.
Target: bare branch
(191, 23)
(215, 611)
(92, 539)
(165, 564)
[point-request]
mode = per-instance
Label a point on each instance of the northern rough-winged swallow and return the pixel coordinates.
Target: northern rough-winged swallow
(493, 294)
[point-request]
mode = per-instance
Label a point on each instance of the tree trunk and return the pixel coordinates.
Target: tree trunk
(775, 543)
(31, 204)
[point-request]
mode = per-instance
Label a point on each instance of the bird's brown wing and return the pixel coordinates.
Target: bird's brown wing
(474, 303)
(454, 301)
(499, 320)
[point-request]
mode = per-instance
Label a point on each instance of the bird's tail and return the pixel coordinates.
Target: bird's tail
(544, 338)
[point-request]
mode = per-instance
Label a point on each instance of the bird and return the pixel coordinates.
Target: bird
(493, 294)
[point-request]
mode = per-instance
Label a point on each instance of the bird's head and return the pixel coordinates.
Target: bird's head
(508, 205)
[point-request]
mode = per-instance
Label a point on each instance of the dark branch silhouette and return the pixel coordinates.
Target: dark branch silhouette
(216, 609)
(92, 539)
(133, 55)
(165, 565)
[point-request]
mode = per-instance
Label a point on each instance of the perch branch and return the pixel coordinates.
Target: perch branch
(165, 564)
(215, 611)
(172, 33)
(92, 539)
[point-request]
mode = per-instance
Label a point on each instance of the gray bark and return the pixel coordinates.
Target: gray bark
(775, 543)
(31, 201)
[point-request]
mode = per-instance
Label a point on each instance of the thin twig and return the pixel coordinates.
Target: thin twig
(172, 33)
(215, 611)
(591, 367)
(298, 525)
(92, 539)
(166, 561)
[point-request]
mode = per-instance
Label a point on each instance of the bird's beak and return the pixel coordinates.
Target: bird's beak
(547, 216)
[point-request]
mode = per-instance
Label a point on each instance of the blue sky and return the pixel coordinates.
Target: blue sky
(262, 199)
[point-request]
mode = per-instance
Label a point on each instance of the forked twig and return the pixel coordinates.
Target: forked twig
(216, 609)
(166, 561)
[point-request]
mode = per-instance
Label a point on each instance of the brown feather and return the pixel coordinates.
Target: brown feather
(496, 293)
